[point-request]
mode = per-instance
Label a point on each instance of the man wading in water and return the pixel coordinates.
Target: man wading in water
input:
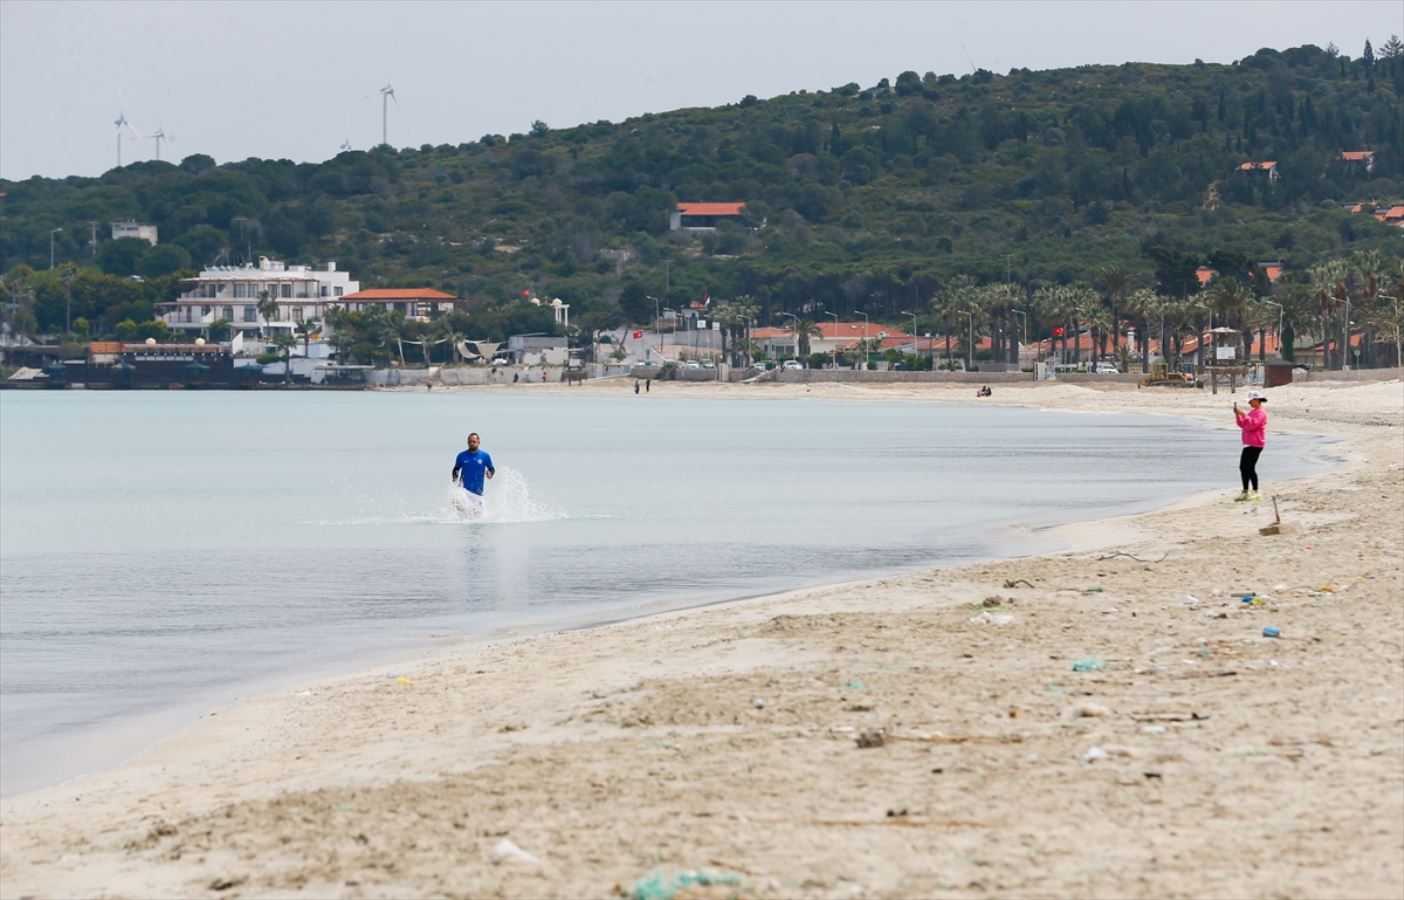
(471, 469)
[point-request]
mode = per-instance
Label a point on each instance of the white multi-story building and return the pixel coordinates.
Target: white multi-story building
(232, 293)
(134, 229)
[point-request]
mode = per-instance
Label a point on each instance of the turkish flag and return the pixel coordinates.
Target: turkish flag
(1058, 331)
(637, 335)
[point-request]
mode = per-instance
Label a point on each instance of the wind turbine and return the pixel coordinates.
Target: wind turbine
(387, 94)
(160, 136)
(121, 123)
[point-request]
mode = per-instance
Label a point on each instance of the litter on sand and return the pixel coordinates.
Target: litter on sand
(657, 886)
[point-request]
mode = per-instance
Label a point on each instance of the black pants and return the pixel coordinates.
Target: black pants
(1248, 466)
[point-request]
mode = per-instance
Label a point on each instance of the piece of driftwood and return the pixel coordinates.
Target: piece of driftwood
(1133, 556)
(1169, 717)
(890, 822)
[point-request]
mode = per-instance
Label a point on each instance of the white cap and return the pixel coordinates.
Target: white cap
(1256, 395)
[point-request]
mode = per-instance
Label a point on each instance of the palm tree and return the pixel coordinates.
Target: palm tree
(443, 329)
(1083, 303)
(996, 301)
(306, 328)
(1228, 299)
(960, 294)
(804, 330)
(1369, 272)
(267, 308)
(285, 342)
(1145, 303)
(1329, 289)
(1116, 283)
(1099, 323)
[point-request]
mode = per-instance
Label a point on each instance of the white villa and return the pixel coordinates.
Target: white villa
(232, 293)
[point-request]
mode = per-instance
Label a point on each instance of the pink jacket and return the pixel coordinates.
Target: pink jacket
(1254, 425)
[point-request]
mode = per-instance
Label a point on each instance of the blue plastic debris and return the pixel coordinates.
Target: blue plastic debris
(657, 886)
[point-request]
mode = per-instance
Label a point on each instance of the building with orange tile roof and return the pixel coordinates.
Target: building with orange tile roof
(1269, 166)
(704, 216)
(1364, 159)
(415, 303)
(1393, 215)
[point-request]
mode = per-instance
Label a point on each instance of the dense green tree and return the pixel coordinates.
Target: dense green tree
(122, 256)
(164, 259)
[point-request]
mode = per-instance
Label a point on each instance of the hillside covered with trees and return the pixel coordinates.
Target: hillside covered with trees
(881, 199)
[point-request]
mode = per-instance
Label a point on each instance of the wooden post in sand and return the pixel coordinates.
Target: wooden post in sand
(1277, 526)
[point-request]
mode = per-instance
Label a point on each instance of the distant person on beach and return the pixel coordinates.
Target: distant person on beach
(1253, 424)
(984, 391)
(472, 467)
(636, 385)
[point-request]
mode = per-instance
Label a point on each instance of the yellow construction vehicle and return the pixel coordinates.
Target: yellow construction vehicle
(1162, 376)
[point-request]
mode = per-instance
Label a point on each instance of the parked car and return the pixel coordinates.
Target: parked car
(791, 364)
(1106, 368)
(692, 364)
(501, 361)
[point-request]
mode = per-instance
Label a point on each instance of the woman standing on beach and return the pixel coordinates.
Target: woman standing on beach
(1254, 426)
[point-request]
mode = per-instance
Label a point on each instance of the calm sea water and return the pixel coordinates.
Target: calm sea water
(162, 552)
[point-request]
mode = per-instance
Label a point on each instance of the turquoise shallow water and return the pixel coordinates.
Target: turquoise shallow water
(161, 552)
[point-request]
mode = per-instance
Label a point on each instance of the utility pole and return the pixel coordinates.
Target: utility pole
(52, 232)
(834, 348)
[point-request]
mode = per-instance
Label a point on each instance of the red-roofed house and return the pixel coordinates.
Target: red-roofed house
(1268, 166)
(1205, 274)
(1394, 215)
(1359, 159)
(703, 216)
(415, 303)
(1272, 269)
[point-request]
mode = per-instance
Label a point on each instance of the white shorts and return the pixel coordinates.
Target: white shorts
(468, 503)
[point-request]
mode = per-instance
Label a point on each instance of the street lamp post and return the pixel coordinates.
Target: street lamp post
(834, 348)
(796, 328)
(1024, 317)
(970, 341)
(916, 338)
(1279, 324)
(657, 328)
(864, 344)
(1200, 347)
(52, 232)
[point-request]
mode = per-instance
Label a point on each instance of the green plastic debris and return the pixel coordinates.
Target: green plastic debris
(657, 886)
(855, 684)
(1091, 664)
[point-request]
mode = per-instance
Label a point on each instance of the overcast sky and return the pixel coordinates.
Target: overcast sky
(297, 79)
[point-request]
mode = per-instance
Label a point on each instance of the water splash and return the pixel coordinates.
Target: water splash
(507, 499)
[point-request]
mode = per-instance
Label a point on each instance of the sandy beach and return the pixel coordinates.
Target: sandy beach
(1109, 721)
